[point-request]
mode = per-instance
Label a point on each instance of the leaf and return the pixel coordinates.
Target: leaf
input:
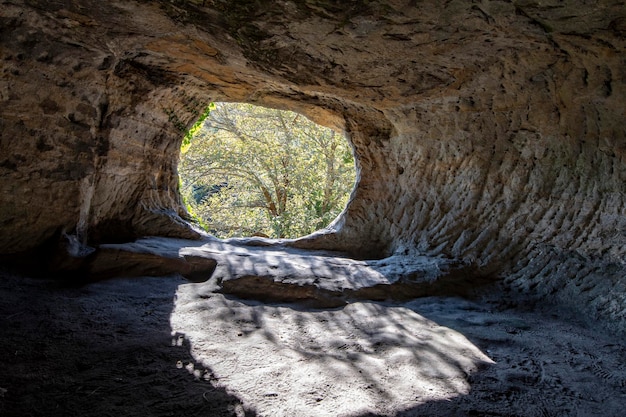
(264, 171)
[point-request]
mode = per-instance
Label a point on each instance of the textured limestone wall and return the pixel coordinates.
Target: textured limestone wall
(487, 132)
(88, 148)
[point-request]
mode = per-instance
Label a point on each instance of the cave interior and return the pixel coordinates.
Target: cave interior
(489, 141)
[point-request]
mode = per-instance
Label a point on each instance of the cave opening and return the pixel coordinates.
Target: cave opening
(248, 170)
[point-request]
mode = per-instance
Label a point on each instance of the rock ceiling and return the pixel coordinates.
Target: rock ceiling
(490, 132)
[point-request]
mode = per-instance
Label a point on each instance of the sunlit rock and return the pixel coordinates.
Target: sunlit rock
(490, 134)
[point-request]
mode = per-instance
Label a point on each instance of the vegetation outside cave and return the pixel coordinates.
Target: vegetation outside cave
(255, 171)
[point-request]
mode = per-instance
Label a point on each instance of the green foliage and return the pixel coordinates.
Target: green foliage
(256, 171)
(196, 127)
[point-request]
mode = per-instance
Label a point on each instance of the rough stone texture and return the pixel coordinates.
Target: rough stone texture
(277, 273)
(491, 133)
(162, 347)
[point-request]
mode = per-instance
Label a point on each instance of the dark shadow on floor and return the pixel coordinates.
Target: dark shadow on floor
(107, 349)
(102, 350)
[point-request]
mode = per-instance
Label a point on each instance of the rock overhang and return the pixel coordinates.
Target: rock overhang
(487, 133)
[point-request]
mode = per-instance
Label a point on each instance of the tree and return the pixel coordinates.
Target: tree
(253, 170)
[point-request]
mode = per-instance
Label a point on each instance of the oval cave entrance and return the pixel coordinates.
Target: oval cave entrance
(249, 170)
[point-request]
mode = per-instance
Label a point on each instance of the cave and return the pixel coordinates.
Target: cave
(480, 261)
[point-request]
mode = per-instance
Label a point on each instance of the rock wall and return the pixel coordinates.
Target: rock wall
(488, 132)
(84, 151)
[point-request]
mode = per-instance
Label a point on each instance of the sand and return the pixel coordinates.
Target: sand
(163, 346)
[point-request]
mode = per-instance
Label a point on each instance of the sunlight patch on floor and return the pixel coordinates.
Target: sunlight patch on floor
(284, 361)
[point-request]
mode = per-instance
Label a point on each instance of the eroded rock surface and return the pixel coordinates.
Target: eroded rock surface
(490, 133)
(279, 273)
(160, 346)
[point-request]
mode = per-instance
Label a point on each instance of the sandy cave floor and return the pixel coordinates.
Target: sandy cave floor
(166, 347)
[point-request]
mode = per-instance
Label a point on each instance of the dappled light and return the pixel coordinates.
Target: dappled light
(449, 241)
(365, 357)
(162, 346)
(98, 351)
